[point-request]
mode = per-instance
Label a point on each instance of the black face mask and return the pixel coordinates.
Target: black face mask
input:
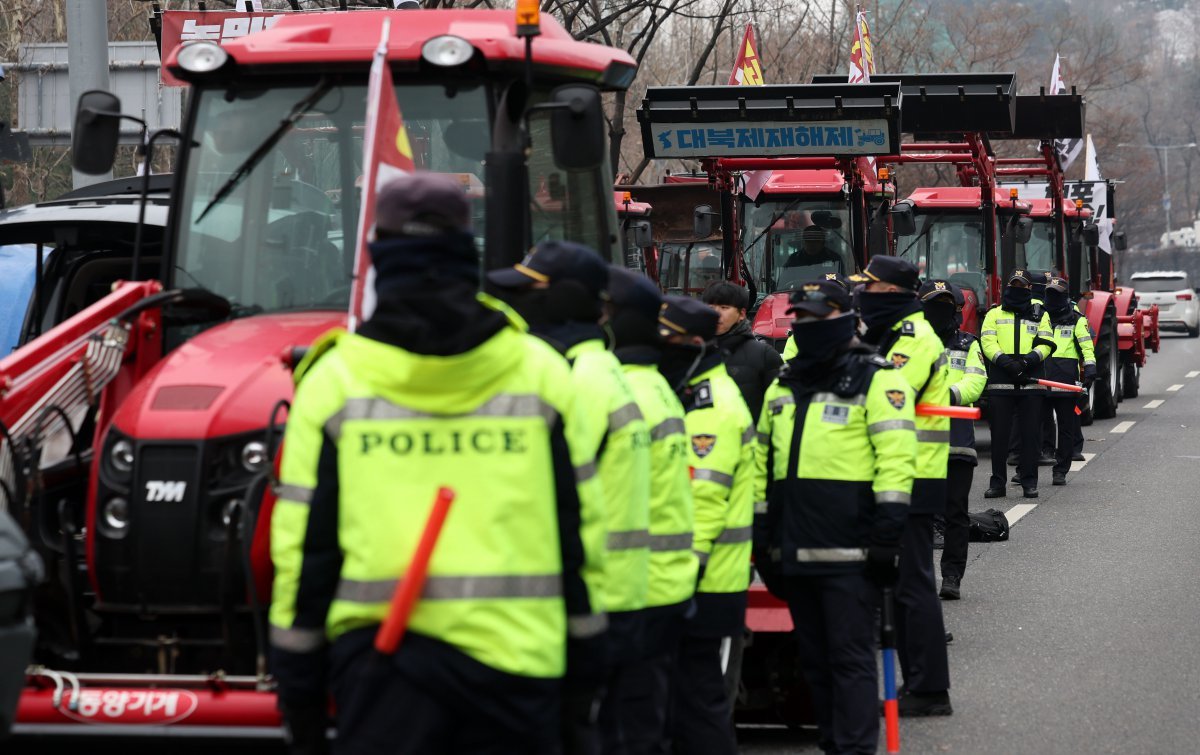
(885, 310)
(1017, 299)
(944, 317)
(1057, 302)
(818, 341)
(680, 361)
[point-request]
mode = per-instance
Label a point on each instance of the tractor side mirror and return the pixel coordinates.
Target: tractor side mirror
(1119, 241)
(904, 219)
(642, 236)
(94, 137)
(1090, 234)
(577, 127)
(1022, 229)
(702, 221)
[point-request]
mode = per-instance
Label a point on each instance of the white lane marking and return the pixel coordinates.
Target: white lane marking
(1175, 387)
(1079, 465)
(1123, 427)
(1155, 403)
(1194, 373)
(1015, 514)
(1187, 457)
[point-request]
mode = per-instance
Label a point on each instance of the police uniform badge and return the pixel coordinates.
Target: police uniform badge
(908, 329)
(899, 359)
(897, 399)
(703, 444)
(939, 286)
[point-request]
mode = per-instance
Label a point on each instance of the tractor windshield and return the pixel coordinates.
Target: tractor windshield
(688, 268)
(789, 241)
(1040, 252)
(948, 246)
(283, 237)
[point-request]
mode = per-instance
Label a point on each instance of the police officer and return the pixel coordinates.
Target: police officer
(1073, 357)
(560, 289)
(721, 456)
(641, 702)
(943, 304)
(896, 325)
(1015, 338)
(836, 456)
(1046, 427)
(436, 381)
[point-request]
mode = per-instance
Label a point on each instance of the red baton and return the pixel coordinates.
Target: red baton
(954, 412)
(409, 588)
(1061, 386)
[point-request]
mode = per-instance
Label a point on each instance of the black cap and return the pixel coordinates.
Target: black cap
(819, 297)
(422, 204)
(894, 270)
(1020, 275)
(932, 289)
(556, 261)
(684, 316)
(1056, 284)
(632, 292)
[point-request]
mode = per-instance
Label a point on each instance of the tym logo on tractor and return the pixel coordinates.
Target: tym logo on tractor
(162, 490)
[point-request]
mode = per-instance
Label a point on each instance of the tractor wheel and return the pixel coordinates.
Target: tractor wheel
(1107, 390)
(1131, 380)
(1086, 417)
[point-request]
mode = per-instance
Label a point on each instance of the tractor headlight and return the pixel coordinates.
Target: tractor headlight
(121, 456)
(202, 57)
(447, 51)
(114, 518)
(254, 456)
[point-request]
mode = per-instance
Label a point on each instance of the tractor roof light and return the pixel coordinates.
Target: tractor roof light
(202, 57)
(1078, 204)
(447, 51)
(528, 18)
(1013, 194)
(884, 174)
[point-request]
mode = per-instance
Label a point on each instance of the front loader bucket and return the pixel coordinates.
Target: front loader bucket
(785, 120)
(950, 103)
(1047, 116)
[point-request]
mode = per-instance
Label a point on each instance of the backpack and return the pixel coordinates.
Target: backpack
(987, 526)
(20, 570)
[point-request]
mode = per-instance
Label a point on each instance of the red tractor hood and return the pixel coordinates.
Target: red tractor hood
(772, 320)
(223, 381)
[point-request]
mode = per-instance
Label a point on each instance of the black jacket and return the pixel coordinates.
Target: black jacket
(751, 363)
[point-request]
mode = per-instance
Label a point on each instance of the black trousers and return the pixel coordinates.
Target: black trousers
(920, 630)
(1027, 406)
(1047, 429)
(431, 699)
(835, 629)
(700, 722)
(958, 524)
(633, 717)
(1069, 431)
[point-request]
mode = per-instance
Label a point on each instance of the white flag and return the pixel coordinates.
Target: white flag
(1091, 173)
(1067, 149)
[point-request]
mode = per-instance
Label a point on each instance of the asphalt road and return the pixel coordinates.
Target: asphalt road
(1076, 635)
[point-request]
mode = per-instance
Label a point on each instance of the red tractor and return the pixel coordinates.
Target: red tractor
(140, 434)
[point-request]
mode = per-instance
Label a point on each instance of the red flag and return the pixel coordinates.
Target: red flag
(386, 155)
(862, 51)
(747, 71)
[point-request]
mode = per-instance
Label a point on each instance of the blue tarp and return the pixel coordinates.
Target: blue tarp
(17, 263)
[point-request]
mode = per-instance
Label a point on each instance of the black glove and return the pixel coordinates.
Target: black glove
(304, 729)
(883, 564)
(1089, 375)
(1012, 365)
(1031, 360)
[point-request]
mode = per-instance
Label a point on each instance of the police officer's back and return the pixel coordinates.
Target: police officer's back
(721, 455)
(437, 388)
(836, 456)
(640, 699)
(560, 289)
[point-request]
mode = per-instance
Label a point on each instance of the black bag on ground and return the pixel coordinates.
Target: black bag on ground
(20, 571)
(988, 526)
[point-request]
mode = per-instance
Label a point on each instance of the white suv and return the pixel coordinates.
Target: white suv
(1178, 303)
